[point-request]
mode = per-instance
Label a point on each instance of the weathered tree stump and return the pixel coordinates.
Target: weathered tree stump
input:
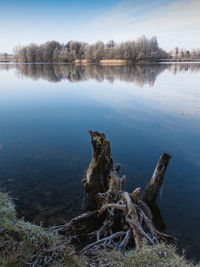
(153, 188)
(96, 176)
(114, 218)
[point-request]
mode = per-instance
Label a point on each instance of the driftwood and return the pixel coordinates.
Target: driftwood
(114, 218)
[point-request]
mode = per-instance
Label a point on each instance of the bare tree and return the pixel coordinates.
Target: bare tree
(140, 49)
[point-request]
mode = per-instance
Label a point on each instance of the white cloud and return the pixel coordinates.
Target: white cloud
(176, 22)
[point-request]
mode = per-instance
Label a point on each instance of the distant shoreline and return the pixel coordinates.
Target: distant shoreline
(111, 61)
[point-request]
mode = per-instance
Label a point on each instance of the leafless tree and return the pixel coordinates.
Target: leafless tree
(140, 49)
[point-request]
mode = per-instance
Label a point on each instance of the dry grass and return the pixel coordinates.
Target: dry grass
(81, 61)
(23, 243)
(113, 61)
(161, 255)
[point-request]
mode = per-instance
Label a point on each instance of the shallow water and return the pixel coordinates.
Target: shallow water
(144, 110)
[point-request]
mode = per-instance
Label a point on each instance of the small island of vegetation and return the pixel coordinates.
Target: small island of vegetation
(140, 50)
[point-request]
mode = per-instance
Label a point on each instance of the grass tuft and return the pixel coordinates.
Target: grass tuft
(161, 255)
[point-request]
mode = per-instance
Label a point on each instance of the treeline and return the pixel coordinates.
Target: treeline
(6, 57)
(140, 49)
(178, 53)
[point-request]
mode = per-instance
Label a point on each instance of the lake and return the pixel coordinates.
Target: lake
(46, 111)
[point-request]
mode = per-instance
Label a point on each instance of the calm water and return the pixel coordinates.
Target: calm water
(144, 110)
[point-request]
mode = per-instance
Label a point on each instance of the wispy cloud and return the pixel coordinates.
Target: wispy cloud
(174, 22)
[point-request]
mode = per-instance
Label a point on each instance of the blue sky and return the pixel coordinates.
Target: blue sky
(174, 22)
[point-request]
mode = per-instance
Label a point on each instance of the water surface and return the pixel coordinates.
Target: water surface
(46, 111)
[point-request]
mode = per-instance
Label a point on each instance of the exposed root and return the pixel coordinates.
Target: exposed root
(105, 241)
(119, 219)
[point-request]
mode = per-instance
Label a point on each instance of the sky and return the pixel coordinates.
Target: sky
(174, 22)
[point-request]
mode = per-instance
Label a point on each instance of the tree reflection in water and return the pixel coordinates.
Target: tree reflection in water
(138, 74)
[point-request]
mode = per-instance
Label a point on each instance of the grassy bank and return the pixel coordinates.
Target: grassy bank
(114, 61)
(179, 60)
(123, 61)
(25, 244)
(161, 255)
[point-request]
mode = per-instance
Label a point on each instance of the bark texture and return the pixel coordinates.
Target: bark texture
(96, 176)
(153, 188)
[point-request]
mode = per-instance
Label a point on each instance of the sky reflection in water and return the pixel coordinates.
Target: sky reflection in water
(46, 111)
